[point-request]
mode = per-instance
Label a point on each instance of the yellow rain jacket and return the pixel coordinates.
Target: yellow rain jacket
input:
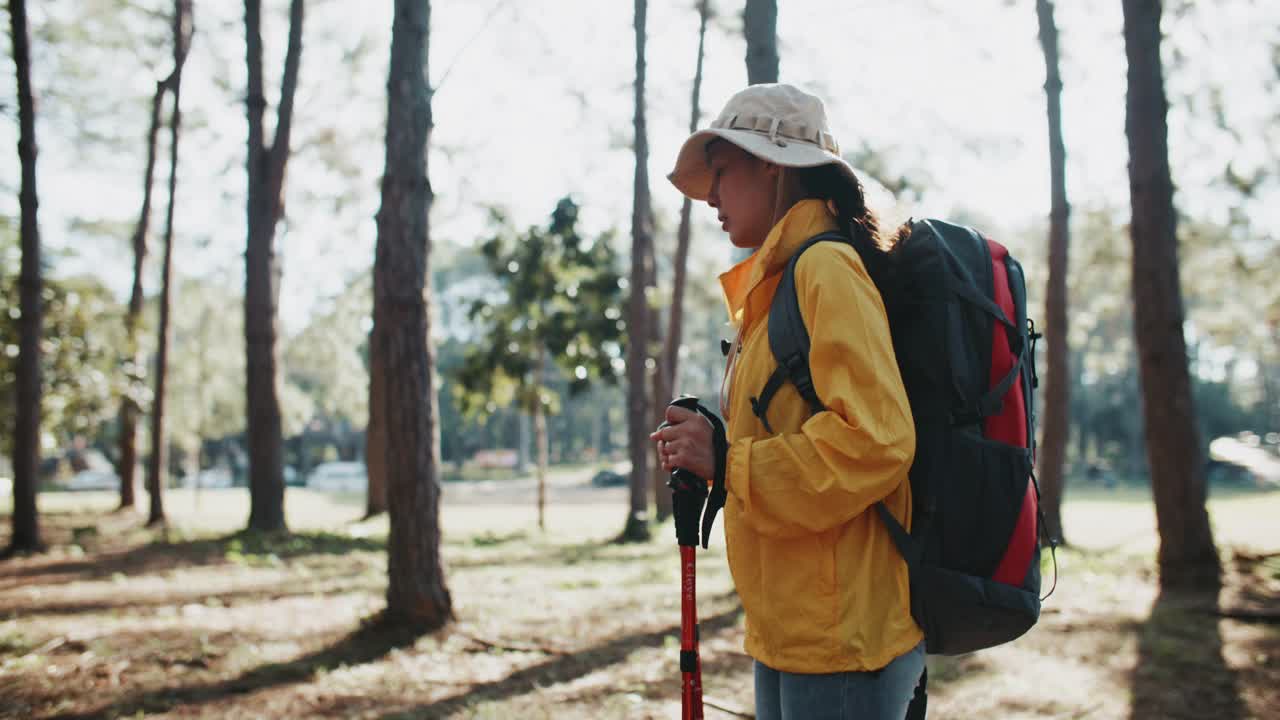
(823, 587)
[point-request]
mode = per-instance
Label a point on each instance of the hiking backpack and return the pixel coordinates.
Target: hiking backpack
(956, 303)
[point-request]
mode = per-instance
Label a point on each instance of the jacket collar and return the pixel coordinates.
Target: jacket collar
(804, 220)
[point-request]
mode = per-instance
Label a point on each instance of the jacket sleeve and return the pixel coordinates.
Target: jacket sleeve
(859, 450)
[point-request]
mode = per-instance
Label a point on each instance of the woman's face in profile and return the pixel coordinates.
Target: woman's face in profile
(743, 190)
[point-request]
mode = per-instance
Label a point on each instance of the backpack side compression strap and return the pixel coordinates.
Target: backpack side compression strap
(789, 340)
(989, 404)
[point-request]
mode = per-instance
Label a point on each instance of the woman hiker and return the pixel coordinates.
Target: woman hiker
(823, 587)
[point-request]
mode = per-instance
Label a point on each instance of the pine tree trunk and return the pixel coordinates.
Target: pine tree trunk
(638, 313)
(26, 434)
(605, 443)
(661, 397)
(266, 166)
(540, 435)
(416, 591)
(661, 391)
(202, 430)
(675, 325)
(130, 408)
(522, 441)
(670, 365)
(1271, 384)
(1077, 426)
(760, 25)
(128, 464)
(375, 434)
(157, 466)
(1053, 444)
(1187, 555)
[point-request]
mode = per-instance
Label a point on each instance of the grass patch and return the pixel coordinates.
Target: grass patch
(15, 643)
(1270, 568)
(302, 543)
(493, 539)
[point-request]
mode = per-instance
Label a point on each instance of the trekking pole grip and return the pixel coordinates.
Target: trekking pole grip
(687, 505)
(688, 491)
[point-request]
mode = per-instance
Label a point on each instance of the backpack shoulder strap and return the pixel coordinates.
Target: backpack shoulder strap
(789, 340)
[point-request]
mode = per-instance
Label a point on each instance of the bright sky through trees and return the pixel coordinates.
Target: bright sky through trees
(536, 104)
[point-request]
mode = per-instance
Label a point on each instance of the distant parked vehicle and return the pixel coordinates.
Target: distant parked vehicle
(608, 478)
(348, 477)
(215, 477)
(496, 458)
(93, 480)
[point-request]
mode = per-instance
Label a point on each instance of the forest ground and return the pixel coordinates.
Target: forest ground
(204, 621)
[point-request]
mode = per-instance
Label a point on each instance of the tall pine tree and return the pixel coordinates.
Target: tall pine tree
(416, 590)
(266, 166)
(1187, 555)
(26, 435)
(640, 317)
(1057, 419)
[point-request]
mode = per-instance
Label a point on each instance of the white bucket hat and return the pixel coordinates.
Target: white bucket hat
(778, 123)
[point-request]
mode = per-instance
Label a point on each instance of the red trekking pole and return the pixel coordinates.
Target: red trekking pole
(688, 492)
(688, 495)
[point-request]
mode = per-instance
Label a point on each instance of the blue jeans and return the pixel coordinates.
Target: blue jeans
(880, 695)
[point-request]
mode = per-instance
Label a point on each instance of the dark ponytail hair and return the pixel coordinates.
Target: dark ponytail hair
(845, 195)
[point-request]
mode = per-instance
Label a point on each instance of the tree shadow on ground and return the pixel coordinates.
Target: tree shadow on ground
(162, 555)
(1180, 670)
(135, 602)
(561, 669)
(372, 641)
(557, 555)
(165, 646)
(366, 644)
